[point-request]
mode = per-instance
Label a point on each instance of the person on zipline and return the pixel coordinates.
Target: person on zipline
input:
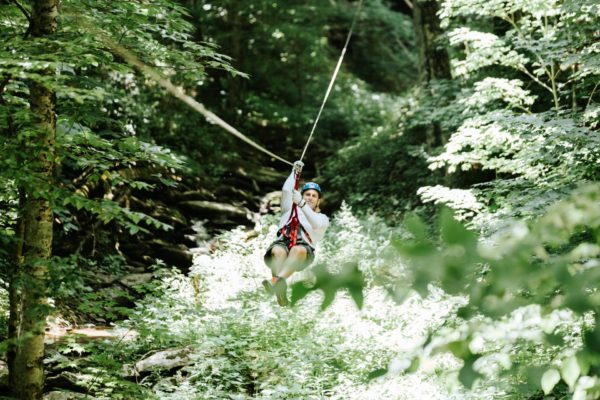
(301, 227)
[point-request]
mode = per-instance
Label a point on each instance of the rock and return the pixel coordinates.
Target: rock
(157, 242)
(176, 256)
(251, 234)
(70, 381)
(127, 371)
(167, 384)
(268, 176)
(170, 216)
(210, 209)
(271, 203)
(136, 266)
(165, 360)
(176, 236)
(259, 176)
(138, 257)
(232, 192)
(56, 362)
(63, 395)
(132, 280)
(214, 245)
(116, 294)
(199, 194)
(100, 278)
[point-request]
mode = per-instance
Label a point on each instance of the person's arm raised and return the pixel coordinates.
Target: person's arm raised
(288, 186)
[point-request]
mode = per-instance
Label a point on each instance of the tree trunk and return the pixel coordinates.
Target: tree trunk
(29, 286)
(14, 289)
(434, 62)
(234, 83)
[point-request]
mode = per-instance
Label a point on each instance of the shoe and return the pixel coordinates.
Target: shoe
(268, 286)
(280, 289)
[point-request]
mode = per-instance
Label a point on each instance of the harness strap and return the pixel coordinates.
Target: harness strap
(285, 233)
(293, 220)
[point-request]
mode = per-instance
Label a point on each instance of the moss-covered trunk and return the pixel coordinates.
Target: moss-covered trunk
(29, 283)
(434, 62)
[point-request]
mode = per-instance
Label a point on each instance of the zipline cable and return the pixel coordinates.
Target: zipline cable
(181, 95)
(332, 81)
(178, 92)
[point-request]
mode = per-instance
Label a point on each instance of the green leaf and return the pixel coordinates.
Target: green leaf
(570, 371)
(467, 374)
(554, 339)
(591, 338)
(415, 226)
(414, 365)
(453, 231)
(549, 380)
(350, 278)
(399, 293)
(357, 295)
(579, 394)
(329, 293)
(299, 291)
(377, 373)
(459, 348)
(135, 217)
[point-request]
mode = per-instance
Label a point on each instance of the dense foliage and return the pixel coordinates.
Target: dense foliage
(242, 345)
(497, 300)
(102, 133)
(530, 72)
(522, 119)
(289, 51)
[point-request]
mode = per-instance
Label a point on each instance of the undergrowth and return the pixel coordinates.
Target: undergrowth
(242, 345)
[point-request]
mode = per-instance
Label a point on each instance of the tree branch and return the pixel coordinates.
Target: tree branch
(523, 69)
(23, 10)
(592, 95)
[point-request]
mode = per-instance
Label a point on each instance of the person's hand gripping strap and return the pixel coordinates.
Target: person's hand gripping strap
(298, 165)
(297, 198)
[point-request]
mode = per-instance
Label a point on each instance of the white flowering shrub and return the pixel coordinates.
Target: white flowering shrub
(245, 346)
(463, 201)
(483, 50)
(531, 319)
(538, 159)
(528, 137)
(490, 90)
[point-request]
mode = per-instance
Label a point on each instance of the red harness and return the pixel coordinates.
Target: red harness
(293, 221)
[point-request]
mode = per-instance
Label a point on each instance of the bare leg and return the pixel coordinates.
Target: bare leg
(278, 257)
(294, 259)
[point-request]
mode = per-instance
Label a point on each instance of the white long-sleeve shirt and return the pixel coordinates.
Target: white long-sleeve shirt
(313, 223)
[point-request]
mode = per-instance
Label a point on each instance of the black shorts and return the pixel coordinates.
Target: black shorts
(284, 243)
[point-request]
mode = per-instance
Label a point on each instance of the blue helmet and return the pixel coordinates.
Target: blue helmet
(310, 185)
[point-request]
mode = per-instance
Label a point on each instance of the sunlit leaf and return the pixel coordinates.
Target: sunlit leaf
(570, 371)
(377, 373)
(549, 380)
